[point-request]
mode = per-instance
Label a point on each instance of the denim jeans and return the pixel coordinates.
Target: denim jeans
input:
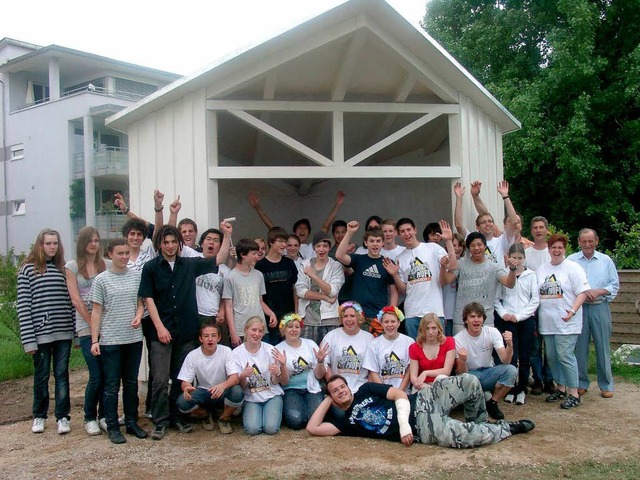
(93, 406)
(522, 339)
(539, 363)
(411, 324)
(59, 351)
(490, 376)
(299, 405)
(166, 361)
(562, 358)
(233, 397)
(596, 323)
(121, 362)
(262, 417)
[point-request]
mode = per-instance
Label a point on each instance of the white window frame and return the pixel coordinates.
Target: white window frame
(16, 152)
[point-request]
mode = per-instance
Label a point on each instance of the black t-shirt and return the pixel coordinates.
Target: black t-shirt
(370, 414)
(279, 281)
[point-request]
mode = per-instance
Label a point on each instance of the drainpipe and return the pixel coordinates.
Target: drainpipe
(4, 168)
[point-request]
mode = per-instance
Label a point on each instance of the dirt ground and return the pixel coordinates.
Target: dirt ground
(601, 430)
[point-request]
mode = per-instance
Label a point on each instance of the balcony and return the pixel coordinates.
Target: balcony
(130, 96)
(107, 161)
(109, 225)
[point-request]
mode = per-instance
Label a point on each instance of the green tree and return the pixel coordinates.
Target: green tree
(570, 71)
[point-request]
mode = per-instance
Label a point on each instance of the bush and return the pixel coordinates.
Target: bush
(626, 254)
(9, 291)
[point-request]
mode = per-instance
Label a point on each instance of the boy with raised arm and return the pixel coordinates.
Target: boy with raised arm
(372, 284)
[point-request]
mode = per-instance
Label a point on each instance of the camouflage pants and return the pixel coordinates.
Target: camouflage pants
(433, 424)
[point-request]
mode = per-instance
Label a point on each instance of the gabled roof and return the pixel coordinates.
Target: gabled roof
(362, 50)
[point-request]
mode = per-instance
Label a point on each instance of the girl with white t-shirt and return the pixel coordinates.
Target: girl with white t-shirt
(387, 358)
(261, 369)
(305, 365)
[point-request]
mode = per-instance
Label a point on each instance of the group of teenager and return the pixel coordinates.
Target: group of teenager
(309, 332)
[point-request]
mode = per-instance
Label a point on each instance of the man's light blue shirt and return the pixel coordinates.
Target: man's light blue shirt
(601, 272)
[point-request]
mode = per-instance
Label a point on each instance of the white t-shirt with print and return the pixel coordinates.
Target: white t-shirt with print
(346, 355)
(420, 270)
(389, 358)
(559, 285)
(259, 388)
(301, 361)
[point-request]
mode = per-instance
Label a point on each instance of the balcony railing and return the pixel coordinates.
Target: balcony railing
(109, 225)
(134, 97)
(106, 161)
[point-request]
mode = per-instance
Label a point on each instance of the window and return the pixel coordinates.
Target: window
(19, 207)
(40, 93)
(17, 152)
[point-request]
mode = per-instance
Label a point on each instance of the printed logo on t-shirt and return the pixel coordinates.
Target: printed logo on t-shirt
(551, 288)
(210, 282)
(488, 254)
(419, 271)
(371, 417)
(300, 366)
(372, 272)
(257, 381)
(349, 361)
(393, 367)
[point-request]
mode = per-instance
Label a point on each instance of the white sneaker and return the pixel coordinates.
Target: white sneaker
(207, 423)
(38, 425)
(64, 426)
(521, 398)
(92, 428)
(509, 398)
(103, 424)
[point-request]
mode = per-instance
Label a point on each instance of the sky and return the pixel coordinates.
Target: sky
(179, 37)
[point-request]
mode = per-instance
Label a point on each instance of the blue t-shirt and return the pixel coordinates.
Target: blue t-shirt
(370, 283)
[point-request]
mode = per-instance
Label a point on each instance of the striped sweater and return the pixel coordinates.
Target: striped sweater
(44, 307)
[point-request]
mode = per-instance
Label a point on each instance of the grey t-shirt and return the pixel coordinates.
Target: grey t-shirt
(477, 282)
(245, 292)
(84, 286)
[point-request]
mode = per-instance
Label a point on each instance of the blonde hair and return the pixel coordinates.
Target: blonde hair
(252, 321)
(422, 329)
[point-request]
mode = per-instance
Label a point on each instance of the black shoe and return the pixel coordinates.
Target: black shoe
(136, 431)
(493, 410)
(521, 426)
(555, 396)
(536, 388)
(549, 387)
(116, 437)
(182, 426)
(570, 402)
(159, 432)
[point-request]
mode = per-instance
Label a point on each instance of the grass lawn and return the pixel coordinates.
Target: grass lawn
(14, 363)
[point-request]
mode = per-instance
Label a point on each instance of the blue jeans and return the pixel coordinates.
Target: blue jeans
(262, 417)
(60, 352)
(233, 397)
(93, 407)
(522, 338)
(299, 405)
(539, 363)
(121, 362)
(490, 376)
(166, 362)
(562, 358)
(596, 323)
(411, 325)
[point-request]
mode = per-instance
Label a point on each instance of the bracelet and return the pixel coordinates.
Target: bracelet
(513, 269)
(125, 210)
(93, 343)
(159, 209)
(504, 198)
